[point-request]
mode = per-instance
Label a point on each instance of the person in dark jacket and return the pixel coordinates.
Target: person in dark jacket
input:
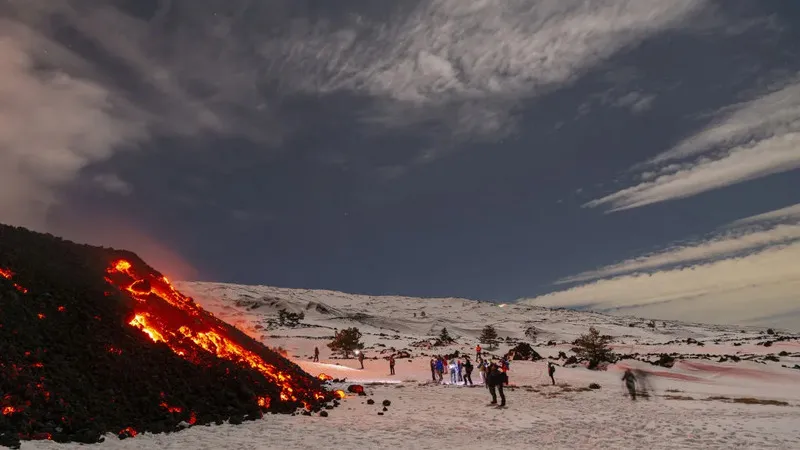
(433, 369)
(630, 383)
(361, 359)
(316, 354)
(495, 380)
(467, 372)
(391, 365)
(551, 370)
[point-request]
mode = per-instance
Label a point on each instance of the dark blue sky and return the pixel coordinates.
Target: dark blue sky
(261, 153)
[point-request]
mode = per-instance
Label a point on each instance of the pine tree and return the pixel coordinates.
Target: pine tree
(488, 336)
(444, 337)
(594, 347)
(346, 341)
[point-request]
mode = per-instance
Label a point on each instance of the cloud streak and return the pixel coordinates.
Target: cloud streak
(748, 275)
(751, 140)
(83, 79)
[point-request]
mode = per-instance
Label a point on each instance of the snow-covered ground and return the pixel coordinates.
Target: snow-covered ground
(706, 400)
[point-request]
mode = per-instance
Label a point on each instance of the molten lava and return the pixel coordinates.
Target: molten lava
(194, 334)
(324, 377)
(9, 275)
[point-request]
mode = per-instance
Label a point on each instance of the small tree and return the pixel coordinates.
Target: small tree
(593, 347)
(290, 319)
(346, 341)
(444, 337)
(488, 336)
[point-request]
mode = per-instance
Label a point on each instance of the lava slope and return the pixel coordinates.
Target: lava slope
(95, 341)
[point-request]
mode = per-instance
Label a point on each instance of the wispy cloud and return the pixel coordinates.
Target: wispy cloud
(746, 274)
(750, 140)
(52, 126)
(82, 79)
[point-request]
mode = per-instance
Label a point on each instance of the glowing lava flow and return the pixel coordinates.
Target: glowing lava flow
(164, 324)
(8, 275)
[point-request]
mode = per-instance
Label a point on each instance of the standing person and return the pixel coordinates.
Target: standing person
(361, 359)
(433, 369)
(467, 372)
(482, 371)
(440, 368)
(460, 368)
(495, 380)
(478, 352)
(551, 370)
(453, 372)
(391, 365)
(630, 383)
(316, 354)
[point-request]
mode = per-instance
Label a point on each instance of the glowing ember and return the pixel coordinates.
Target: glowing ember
(340, 394)
(324, 377)
(62, 308)
(208, 334)
(264, 402)
(8, 410)
(129, 431)
(192, 418)
(41, 316)
(172, 409)
(8, 275)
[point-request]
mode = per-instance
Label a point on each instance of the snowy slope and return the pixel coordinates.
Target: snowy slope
(698, 403)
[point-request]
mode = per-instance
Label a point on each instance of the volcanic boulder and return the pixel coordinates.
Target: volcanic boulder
(93, 340)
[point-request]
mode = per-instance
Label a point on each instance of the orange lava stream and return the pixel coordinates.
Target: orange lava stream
(9, 275)
(209, 339)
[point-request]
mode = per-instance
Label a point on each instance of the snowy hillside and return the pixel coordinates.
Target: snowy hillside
(729, 387)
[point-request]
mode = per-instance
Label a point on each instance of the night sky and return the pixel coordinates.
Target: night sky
(634, 157)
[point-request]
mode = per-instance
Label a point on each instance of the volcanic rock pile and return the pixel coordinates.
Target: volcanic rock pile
(94, 341)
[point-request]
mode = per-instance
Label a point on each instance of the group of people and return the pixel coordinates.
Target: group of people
(493, 374)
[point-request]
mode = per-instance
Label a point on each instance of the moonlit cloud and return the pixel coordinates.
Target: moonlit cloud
(463, 65)
(751, 140)
(748, 274)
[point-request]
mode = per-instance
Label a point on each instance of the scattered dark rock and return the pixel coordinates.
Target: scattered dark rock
(380, 413)
(323, 414)
(770, 331)
(386, 403)
(385, 409)
(594, 386)
(665, 360)
(355, 389)
(370, 401)
(571, 360)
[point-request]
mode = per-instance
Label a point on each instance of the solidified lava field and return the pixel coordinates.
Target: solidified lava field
(95, 341)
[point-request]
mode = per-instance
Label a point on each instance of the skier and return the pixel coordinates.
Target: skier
(316, 354)
(391, 365)
(361, 359)
(467, 372)
(495, 380)
(551, 370)
(630, 383)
